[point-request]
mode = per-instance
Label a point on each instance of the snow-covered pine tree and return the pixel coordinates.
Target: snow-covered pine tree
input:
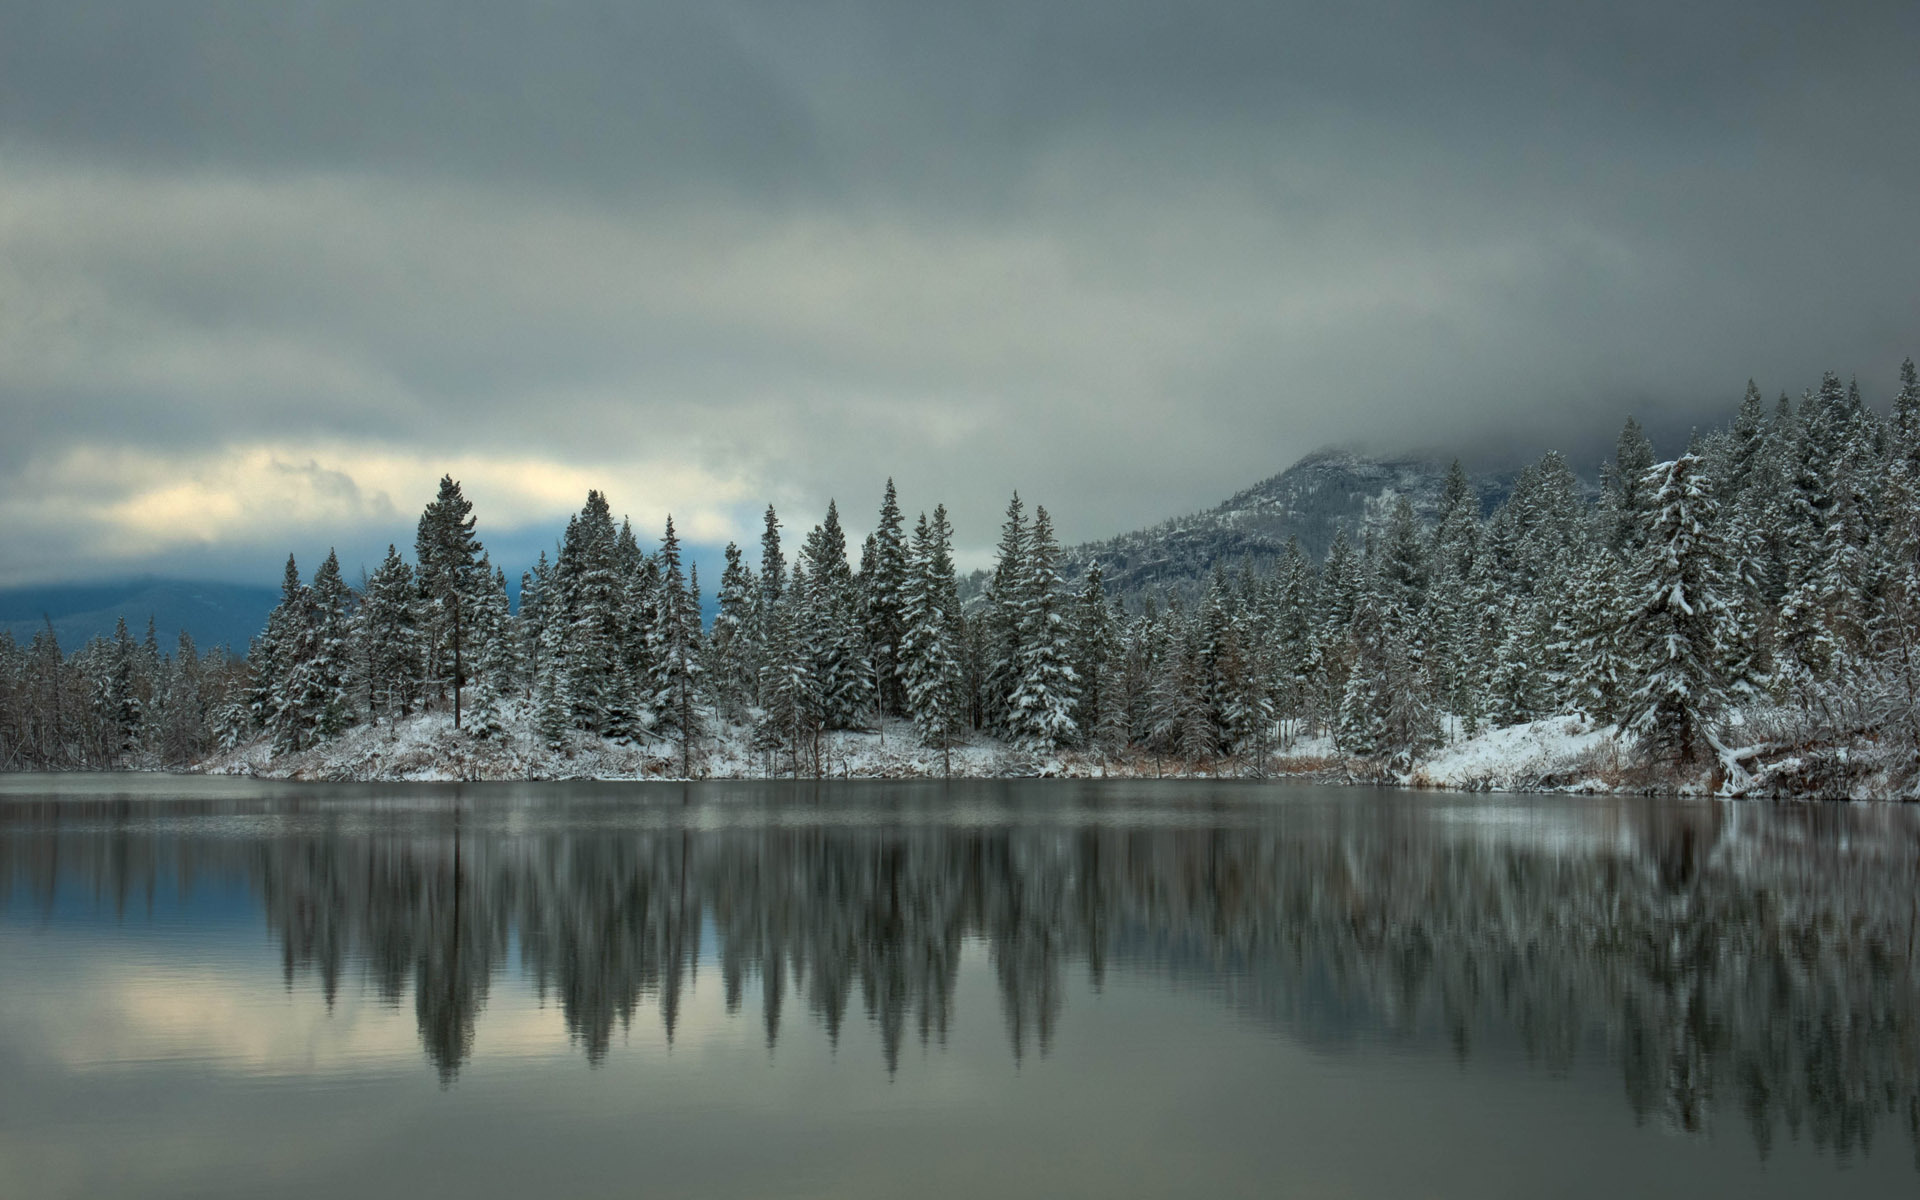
(1000, 621)
(1289, 630)
(1341, 582)
(123, 715)
(274, 656)
(386, 634)
(730, 645)
(1518, 689)
(885, 584)
(184, 737)
(495, 654)
(631, 711)
(1403, 574)
(773, 584)
(323, 678)
(1046, 689)
(587, 621)
(536, 598)
(1096, 640)
(1241, 698)
(1681, 628)
(552, 707)
(843, 673)
(932, 638)
(677, 669)
(1453, 662)
(1123, 684)
(1627, 499)
(448, 555)
(790, 694)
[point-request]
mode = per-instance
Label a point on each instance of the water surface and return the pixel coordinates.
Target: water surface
(233, 988)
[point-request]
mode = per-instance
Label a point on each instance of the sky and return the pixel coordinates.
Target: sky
(268, 271)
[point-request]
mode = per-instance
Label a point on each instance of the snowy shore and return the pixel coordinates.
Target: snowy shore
(1558, 754)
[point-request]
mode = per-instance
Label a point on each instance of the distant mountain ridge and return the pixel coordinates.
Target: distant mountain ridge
(1322, 493)
(216, 614)
(1327, 490)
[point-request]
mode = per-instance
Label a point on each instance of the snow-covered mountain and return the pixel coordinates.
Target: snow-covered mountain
(1311, 500)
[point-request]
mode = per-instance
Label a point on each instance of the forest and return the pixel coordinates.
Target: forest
(1755, 596)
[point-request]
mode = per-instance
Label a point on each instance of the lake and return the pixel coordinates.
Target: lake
(223, 987)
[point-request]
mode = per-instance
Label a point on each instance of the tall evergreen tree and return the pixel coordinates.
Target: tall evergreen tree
(933, 638)
(1046, 689)
(449, 579)
(885, 584)
(386, 631)
(676, 657)
(1681, 628)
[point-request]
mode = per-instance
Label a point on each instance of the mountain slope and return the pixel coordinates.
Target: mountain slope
(214, 613)
(1314, 498)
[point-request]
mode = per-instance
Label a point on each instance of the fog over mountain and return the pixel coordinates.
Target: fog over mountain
(267, 271)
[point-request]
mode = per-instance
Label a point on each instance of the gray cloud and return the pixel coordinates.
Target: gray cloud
(1125, 256)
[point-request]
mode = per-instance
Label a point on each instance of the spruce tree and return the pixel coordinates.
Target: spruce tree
(1001, 620)
(933, 637)
(274, 657)
(323, 675)
(449, 556)
(843, 674)
(1096, 641)
(885, 584)
(495, 654)
(386, 630)
(1681, 628)
(730, 646)
(1046, 688)
(676, 653)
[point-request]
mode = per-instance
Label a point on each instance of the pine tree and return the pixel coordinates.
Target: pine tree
(1096, 641)
(730, 646)
(184, 737)
(773, 583)
(495, 654)
(932, 638)
(1046, 689)
(536, 601)
(1633, 458)
(386, 631)
(1001, 620)
(1454, 662)
(638, 581)
(588, 620)
(676, 659)
(124, 715)
(843, 673)
(790, 694)
(1290, 632)
(449, 556)
(274, 657)
(320, 683)
(1681, 629)
(885, 584)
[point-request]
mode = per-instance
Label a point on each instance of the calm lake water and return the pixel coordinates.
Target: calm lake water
(233, 988)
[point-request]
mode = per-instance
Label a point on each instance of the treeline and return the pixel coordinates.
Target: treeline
(118, 702)
(1763, 586)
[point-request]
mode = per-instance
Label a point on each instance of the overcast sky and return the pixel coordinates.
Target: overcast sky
(267, 270)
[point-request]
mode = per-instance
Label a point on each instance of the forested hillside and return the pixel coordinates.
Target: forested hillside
(1746, 612)
(1323, 494)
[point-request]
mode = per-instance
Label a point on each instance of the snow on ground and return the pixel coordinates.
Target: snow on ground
(1559, 753)
(1564, 753)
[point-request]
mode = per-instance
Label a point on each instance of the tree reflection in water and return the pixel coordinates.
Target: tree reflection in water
(1753, 957)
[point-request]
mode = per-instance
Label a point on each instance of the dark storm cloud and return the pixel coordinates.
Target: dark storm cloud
(1127, 256)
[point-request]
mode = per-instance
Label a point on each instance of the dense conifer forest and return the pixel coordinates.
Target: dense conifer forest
(1758, 592)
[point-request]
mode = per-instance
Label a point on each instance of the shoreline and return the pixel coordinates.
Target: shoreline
(1560, 755)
